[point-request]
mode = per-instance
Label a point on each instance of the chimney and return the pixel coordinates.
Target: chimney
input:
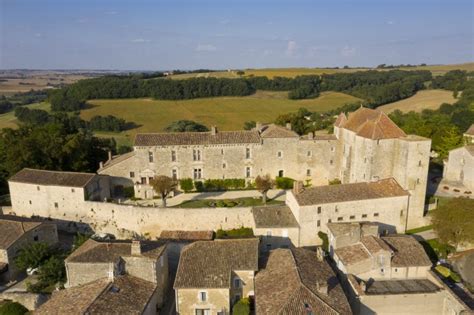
(297, 187)
(322, 287)
(320, 253)
(311, 136)
(136, 248)
(213, 130)
(110, 156)
(288, 126)
(258, 125)
(101, 164)
(363, 286)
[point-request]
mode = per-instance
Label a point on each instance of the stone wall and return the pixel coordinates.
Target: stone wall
(460, 168)
(187, 301)
(29, 300)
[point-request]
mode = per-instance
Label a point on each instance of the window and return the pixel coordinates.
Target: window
(419, 163)
(173, 156)
(143, 180)
(340, 218)
(280, 154)
(247, 153)
(396, 270)
(132, 174)
(332, 149)
(30, 202)
(35, 238)
(318, 223)
(336, 209)
(150, 157)
(237, 298)
(150, 179)
(223, 165)
(56, 205)
(417, 180)
(308, 153)
(319, 210)
(222, 151)
(352, 217)
(329, 220)
(401, 213)
(197, 155)
(72, 190)
(376, 214)
(203, 312)
(308, 172)
(330, 162)
(197, 173)
(280, 173)
(236, 283)
(247, 172)
(37, 188)
(364, 216)
(202, 296)
(174, 174)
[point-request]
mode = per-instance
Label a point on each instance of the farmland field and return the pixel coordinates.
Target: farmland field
(426, 99)
(292, 72)
(227, 113)
(8, 120)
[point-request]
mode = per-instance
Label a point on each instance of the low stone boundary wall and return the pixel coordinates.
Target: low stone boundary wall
(29, 300)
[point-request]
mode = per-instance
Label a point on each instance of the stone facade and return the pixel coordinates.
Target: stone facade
(459, 168)
(366, 146)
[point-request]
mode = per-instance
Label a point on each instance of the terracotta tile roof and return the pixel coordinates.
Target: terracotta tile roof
(407, 251)
(352, 254)
(384, 188)
(52, 178)
(12, 229)
(275, 131)
(372, 124)
(187, 235)
(196, 138)
(125, 295)
(274, 216)
(209, 264)
(470, 131)
(289, 285)
(104, 252)
(118, 159)
(341, 120)
(374, 244)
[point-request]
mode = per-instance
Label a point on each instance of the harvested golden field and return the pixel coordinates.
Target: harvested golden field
(227, 113)
(426, 99)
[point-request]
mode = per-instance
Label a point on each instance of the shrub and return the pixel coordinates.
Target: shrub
(219, 184)
(129, 192)
(242, 232)
(186, 184)
(79, 239)
(324, 238)
(335, 181)
(12, 308)
(52, 271)
(284, 182)
(33, 255)
(242, 307)
(199, 186)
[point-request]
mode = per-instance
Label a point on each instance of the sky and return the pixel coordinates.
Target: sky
(231, 34)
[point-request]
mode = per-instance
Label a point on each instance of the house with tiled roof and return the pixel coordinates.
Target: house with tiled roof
(383, 272)
(213, 275)
(95, 260)
(52, 193)
(15, 234)
(315, 208)
(124, 294)
(298, 281)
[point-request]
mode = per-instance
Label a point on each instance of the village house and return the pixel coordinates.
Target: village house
(382, 272)
(365, 146)
(314, 208)
(144, 260)
(17, 233)
(125, 294)
(459, 168)
(213, 275)
(298, 281)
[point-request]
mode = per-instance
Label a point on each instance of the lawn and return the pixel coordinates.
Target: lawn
(227, 113)
(426, 99)
(8, 120)
(239, 202)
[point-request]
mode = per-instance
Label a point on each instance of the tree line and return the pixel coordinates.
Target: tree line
(377, 87)
(19, 99)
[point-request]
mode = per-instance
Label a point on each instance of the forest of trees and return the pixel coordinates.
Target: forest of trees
(376, 87)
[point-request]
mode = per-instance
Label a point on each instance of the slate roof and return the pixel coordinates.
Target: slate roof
(52, 178)
(407, 251)
(187, 235)
(470, 131)
(12, 229)
(289, 285)
(209, 264)
(274, 217)
(275, 131)
(104, 252)
(125, 295)
(197, 138)
(401, 287)
(384, 188)
(372, 124)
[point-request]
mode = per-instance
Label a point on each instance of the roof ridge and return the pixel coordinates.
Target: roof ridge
(106, 288)
(55, 171)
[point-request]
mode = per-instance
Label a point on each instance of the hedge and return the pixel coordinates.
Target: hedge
(284, 182)
(242, 232)
(219, 184)
(186, 184)
(242, 307)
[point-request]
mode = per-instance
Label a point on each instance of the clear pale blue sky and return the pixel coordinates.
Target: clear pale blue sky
(221, 34)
